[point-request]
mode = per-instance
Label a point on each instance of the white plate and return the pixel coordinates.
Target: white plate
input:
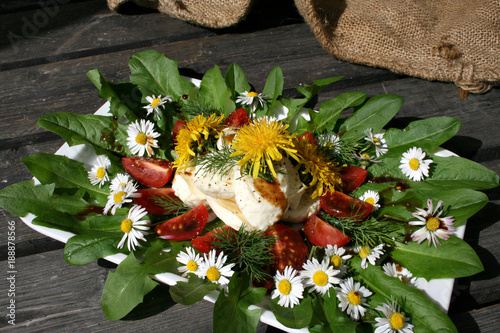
(438, 290)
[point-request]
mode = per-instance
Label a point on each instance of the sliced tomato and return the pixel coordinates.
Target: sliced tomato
(341, 205)
(149, 171)
(289, 248)
(185, 226)
(320, 233)
(179, 124)
(150, 197)
(352, 177)
(237, 118)
(309, 137)
(204, 243)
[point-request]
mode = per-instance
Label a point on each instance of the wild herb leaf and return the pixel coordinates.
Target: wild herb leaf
(454, 259)
(236, 80)
(461, 203)
(231, 312)
(215, 92)
(274, 85)
(338, 321)
(85, 248)
(193, 291)
(330, 111)
(297, 317)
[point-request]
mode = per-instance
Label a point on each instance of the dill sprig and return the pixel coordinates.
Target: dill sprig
(370, 232)
(339, 148)
(192, 108)
(217, 162)
(248, 250)
(173, 205)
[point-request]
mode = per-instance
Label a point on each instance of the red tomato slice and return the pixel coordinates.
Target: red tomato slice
(352, 178)
(185, 226)
(341, 205)
(237, 118)
(177, 127)
(320, 233)
(289, 249)
(149, 171)
(149, 199)
(309, 137)
(204, 243)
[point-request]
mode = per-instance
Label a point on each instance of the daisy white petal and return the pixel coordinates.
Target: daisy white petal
(134, 228)
(122, 195)
(121, 179)
(337, 258)
(433, 225)
(155, 103)
(394, 320)
(369, 255)
(319, 276)
(378, 141)
(98, 175)
(141, 137)
(413, 164)
(212, 267)
(352, 297)
(252, 99)
(191, 261)
(372, 198)
(289, 287)
(398, 271)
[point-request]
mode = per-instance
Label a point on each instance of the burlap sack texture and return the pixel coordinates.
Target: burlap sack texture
(447, 40)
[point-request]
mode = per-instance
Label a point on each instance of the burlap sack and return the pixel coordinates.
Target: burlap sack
(446, 40)
(209, 13)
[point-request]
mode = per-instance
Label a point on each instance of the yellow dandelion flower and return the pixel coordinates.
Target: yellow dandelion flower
(262, 142)
(325, 173)
(190, 137)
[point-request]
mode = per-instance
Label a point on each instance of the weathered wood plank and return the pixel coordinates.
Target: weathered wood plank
(51, 295)
(485, 320)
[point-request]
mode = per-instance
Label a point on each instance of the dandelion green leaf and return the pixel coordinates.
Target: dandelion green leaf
(462, 203)
(215, 92)
(188, 293)
(338, 321)
(155, 74)
(374, 114)
(330, 111)
(274, 84)
(297, 317)
(427, 134)
(236, 80)
(85, 248)
(453, 259)
(231, 312)
(425, 315)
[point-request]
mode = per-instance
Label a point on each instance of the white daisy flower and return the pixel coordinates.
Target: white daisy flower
(434, 226)
(98, 174)
(213, 268)
(398, 271)
(319, 276)
(372, 198)
(352, 296)
(134, 228)
(119, 197)
(413, 164)
(141, 137)
(331, 140)
(369, 255)
(251, 99)
(191, 261)
(288, 287)
(337, 257)
(377, 139)
(121, 179)
(394, 320)
(155, 103)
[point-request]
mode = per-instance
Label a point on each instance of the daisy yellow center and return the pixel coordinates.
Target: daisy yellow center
(126, 225)
(320, 278)
(354, 297)
(213, 274)
(284, 286)
(397, 321)
(370, 200)
(118, 197)
(192, 265)
(433, 224)
(405, 280)
(365, 155)
(376, 141)
(414, 164)
(141, 138)
(364, 252)
(155, 102)
(100, 172)
(336, 261)
(252, 94)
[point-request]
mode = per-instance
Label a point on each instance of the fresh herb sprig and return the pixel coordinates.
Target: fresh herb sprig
(216, 162)
(248, 250)
(174, 206)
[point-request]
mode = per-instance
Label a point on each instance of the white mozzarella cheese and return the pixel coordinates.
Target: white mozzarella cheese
(305, 208)
(213, 185)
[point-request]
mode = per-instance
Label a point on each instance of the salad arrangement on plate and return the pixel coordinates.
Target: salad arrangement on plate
(333, 223)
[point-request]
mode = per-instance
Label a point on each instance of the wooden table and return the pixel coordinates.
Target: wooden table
(44, 55)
